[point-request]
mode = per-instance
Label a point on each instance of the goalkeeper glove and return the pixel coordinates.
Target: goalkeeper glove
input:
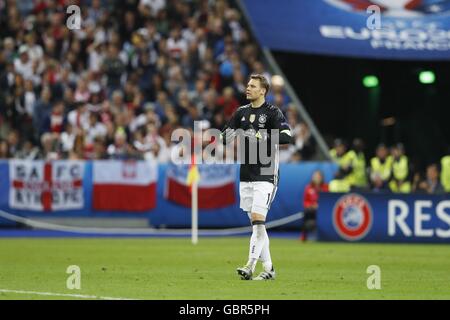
(228, 135)
(255, 136)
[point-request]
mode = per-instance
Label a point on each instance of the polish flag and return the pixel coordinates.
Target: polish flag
(216, 186)
(124, 185)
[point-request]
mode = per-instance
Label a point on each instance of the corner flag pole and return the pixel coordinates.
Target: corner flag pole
(192, 181)
(194, 212)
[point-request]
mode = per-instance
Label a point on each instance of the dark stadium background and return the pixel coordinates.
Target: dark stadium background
(332, 91)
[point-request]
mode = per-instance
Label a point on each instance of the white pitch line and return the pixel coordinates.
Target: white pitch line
(81, 296)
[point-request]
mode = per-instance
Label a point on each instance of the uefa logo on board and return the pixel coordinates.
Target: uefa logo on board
(396, 8)
(352, 217)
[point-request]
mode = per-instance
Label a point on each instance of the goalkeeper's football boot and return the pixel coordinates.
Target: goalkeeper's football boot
(266, 275)
(245, 272)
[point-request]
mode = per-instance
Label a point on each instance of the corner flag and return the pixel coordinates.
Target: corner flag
(192, 181)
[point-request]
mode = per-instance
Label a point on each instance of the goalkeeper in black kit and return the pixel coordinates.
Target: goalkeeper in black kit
(261, 128)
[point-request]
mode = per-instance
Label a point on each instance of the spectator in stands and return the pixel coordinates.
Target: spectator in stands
(197, 93)
(151, 8)
(445, 171)
(42, 108)
(344, 159)
(120, 61)
(258, 68)
(28, 151)
(227, 102)
(417, 178)
(352, 165)
(277, 94)
(4, 150)
(79, 118)
(311, 202)
(49, 148)
(218, 121)
(35, 50)
(304, 147)
(69, 99)
(158, 149)
(377, 183)
(141, 144)
(55, 122)
(191, 117)
(14, 145)
(359, 165)
(210, 106)
(120, 148)
(431, 184)
(304, 142)
(67, 138)
(29, 99)
(23, 64)
(16, 103)
(82, 93)
(9, 49)
(78, 151)
(94, 129)
(400, 170)
(177, 46)
(117, 102)
(105, 114)
(114, 68)
(380, 168)
(239, 85)
(99, 149)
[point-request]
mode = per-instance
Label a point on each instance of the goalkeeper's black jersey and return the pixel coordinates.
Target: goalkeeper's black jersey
(253, 120)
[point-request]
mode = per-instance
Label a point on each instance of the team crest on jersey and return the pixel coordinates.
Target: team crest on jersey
(352, 217)
(262, 118)
(252, 118)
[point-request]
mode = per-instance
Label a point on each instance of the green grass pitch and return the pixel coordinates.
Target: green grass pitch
(166, 268)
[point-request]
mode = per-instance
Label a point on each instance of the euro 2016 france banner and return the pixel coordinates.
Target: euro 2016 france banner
(403, 29)
(124, 185)
(215, 187)
(383, 217)
(46, 186)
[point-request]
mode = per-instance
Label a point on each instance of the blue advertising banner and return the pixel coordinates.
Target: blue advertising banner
(288, 200)
(23, 186)
(384, 217)
(383, 29)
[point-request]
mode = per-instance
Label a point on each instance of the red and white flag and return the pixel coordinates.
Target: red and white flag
(46, 186)
(216, 186)
(124, 185)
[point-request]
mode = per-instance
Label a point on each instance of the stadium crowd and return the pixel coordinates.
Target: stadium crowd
(389, 170)
(135, 71)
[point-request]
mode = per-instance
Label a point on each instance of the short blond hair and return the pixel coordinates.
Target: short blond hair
(262, 81)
